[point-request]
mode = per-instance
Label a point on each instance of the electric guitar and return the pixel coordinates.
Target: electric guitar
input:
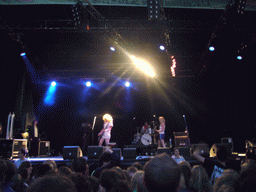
(100, 134)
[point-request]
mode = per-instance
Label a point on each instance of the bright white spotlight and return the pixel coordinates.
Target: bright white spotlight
(162, 47)
(211, 48)
(127, 84)
(53, 83)
(23, 54)
(143, 66)
(239, 57)
(112, 48)
(88, 84)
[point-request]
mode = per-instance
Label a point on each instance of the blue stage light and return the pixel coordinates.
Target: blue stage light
(53, 83)
(112, 48)
(162, 47)
(127, 84)
(23, 54)
(88, 84)
(211, 48)
(239, 57)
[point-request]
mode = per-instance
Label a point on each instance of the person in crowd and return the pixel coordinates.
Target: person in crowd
(42, 170)
(131, 170)
(247, 179)
(106, 161)
(137, 165)
(105, 133)
(215, 167)
(34, 139)
(65, 171)
(199, 180)
(80, 165)
(9, 173)
(52, 164)
(177, 157)
(228, 180)
(185, 176)
(22, 157)
(161, 132)
(162, 173)
(137, 182)
(52, 183)
(25, 170)
(80, 181)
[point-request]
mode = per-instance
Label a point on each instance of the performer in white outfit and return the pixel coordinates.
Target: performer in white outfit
(105, 133)
(161, 132)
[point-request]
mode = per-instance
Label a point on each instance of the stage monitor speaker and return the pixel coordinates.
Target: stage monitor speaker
(117, 151)
(228, 141)
(184, 152)
(214, 148)
(94, 152)
(202, 147)
(129, 153)
(43, 148)
(164, 150)
(72, 152)
(181, 139)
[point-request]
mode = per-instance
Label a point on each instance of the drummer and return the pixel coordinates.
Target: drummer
(145, 128)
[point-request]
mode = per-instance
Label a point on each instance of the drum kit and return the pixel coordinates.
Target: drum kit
(146, 138)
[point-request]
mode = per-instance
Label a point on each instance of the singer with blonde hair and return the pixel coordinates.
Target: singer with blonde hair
(105, 133)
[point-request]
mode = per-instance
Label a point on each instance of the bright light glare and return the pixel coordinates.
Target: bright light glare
(22, 54)
(112, 48)
(127, 84)
(53, 83)
(239, 57)
(143, 66)
(162, 47)
(88, 84)
(211, 48)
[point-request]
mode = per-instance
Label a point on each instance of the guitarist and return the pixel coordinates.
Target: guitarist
(161, 132)
(105, 133)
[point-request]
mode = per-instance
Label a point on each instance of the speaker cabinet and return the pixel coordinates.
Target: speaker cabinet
(94, 152)
(202, 147)
(10, 148)
(43, 148)
(228, 141)
(164, 150)
(181, 139)
(118, 152)
(72, 152)
(129, 153)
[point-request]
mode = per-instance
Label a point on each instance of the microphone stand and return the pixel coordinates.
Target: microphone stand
(186, 129)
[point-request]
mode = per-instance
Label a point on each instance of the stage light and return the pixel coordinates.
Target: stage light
(112, 48)
(127, 84)
(23, 54)
(53, 83)
(162, 47)
(239, 57)
(143, 66)
(88, 84)
(211, 48)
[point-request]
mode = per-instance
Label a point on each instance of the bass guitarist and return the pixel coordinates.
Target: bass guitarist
(105, 133)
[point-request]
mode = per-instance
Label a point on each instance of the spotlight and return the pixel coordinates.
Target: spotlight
(239, 57)
(53, 83)
(23, 54)
(88, 84)
(112, 48)
(127, 84)
(211, 48)
(162, 47)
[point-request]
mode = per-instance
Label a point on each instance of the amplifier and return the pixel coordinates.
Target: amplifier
(10, 148)
(43, 148)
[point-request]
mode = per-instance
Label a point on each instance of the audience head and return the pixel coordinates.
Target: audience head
(199, 180)
(52, 164)
(222, 153)
(109, 178)
(80, 181)
(65, 171)
(80, 165)
(137, 165)
(25, 170)
(185, 174)
(3, 168)
(10, 171)
(52, 183)
(104, 159)
(137, 183)
(131, 171)
(43, 169)
(162, 174)
(228, 180)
